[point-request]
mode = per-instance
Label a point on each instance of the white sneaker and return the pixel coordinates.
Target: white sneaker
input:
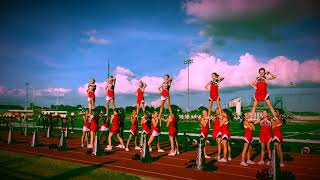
(119, 146)
(268, 163)
(172, 154)
(150, 149)
(229, 158)
(243, 163)
(127, 149)
(207, 157)
(108, 148)
(137, 148)
(261, 163)
(218, 158)
(222, 160)
(177, 152)
(89, 146)
(82, 145)
(160, 150)
(250, 162)
(281, 165)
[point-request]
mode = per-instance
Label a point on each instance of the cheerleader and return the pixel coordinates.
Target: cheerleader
(172, 126)
(225, 137)
(93, 129)
(265, 136)
(91, 96)
(133, 131)
(145, 123)
(85, 128)
(164, 91)
(115, 130)
(155, 131)
(247, 138)
(213, 87)
(104, 127)
(216, 132)
(277, 136)
(261, 94)
(205, 125)
(140, 96)
(109, 90)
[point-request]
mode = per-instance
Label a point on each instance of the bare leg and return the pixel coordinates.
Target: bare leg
(269, 151)
(262, 151)
(219, 105)
(107, 107)
(150, 140)
(254, 107)
(135, 141)
(128, 141)
(224, 143)
(158, 143)
(161, 107)
(171, 143)
(280, 153)
(120, 139)
(219, 146)
(113, 104)
(205, 147)
(209, 108)
(82, 137)
(244, 151)
(109, 138)
(138, 107)
(91, 137)
(248, 153)
(271, 107)
(177, 144)
(169, 106)
(143, 108)
(229, 150)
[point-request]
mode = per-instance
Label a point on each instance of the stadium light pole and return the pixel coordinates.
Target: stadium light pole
(188, 62)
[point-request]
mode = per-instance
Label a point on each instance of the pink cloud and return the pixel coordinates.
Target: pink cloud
(3, 90)
(240, 74)
(216, 9)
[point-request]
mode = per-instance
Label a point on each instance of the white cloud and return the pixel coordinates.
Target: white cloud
(91, 37)
(4, 91)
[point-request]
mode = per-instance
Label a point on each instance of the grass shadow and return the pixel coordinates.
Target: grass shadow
(79, 171)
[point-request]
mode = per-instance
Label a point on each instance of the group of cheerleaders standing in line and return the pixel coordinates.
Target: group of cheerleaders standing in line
(270, 128)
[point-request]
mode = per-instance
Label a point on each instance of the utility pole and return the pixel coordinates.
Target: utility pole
(27, 95)
(188, 62)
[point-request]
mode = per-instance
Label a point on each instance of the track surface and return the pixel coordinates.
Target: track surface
(163, 167)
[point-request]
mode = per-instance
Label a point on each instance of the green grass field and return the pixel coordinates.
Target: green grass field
(22, 166)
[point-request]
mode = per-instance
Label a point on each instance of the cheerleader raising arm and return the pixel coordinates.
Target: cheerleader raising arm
(271, 77)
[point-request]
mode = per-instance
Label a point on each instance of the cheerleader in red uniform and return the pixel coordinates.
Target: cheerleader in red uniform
(260, 85)
(277, 136)
(91, 96)
(140, 96)
(164, 91)
(265, 136)
(104, 127)
(133, 131)
(247, 138)
(85, 128)
(93, 129)
(173, 131)
(109, 90)
(115, 130)
(216, 132)
(225, 137)
(205, 125)
(213, 87)
(155, 131)
(145, 123)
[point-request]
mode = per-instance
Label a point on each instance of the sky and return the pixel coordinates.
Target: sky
(57, 46)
